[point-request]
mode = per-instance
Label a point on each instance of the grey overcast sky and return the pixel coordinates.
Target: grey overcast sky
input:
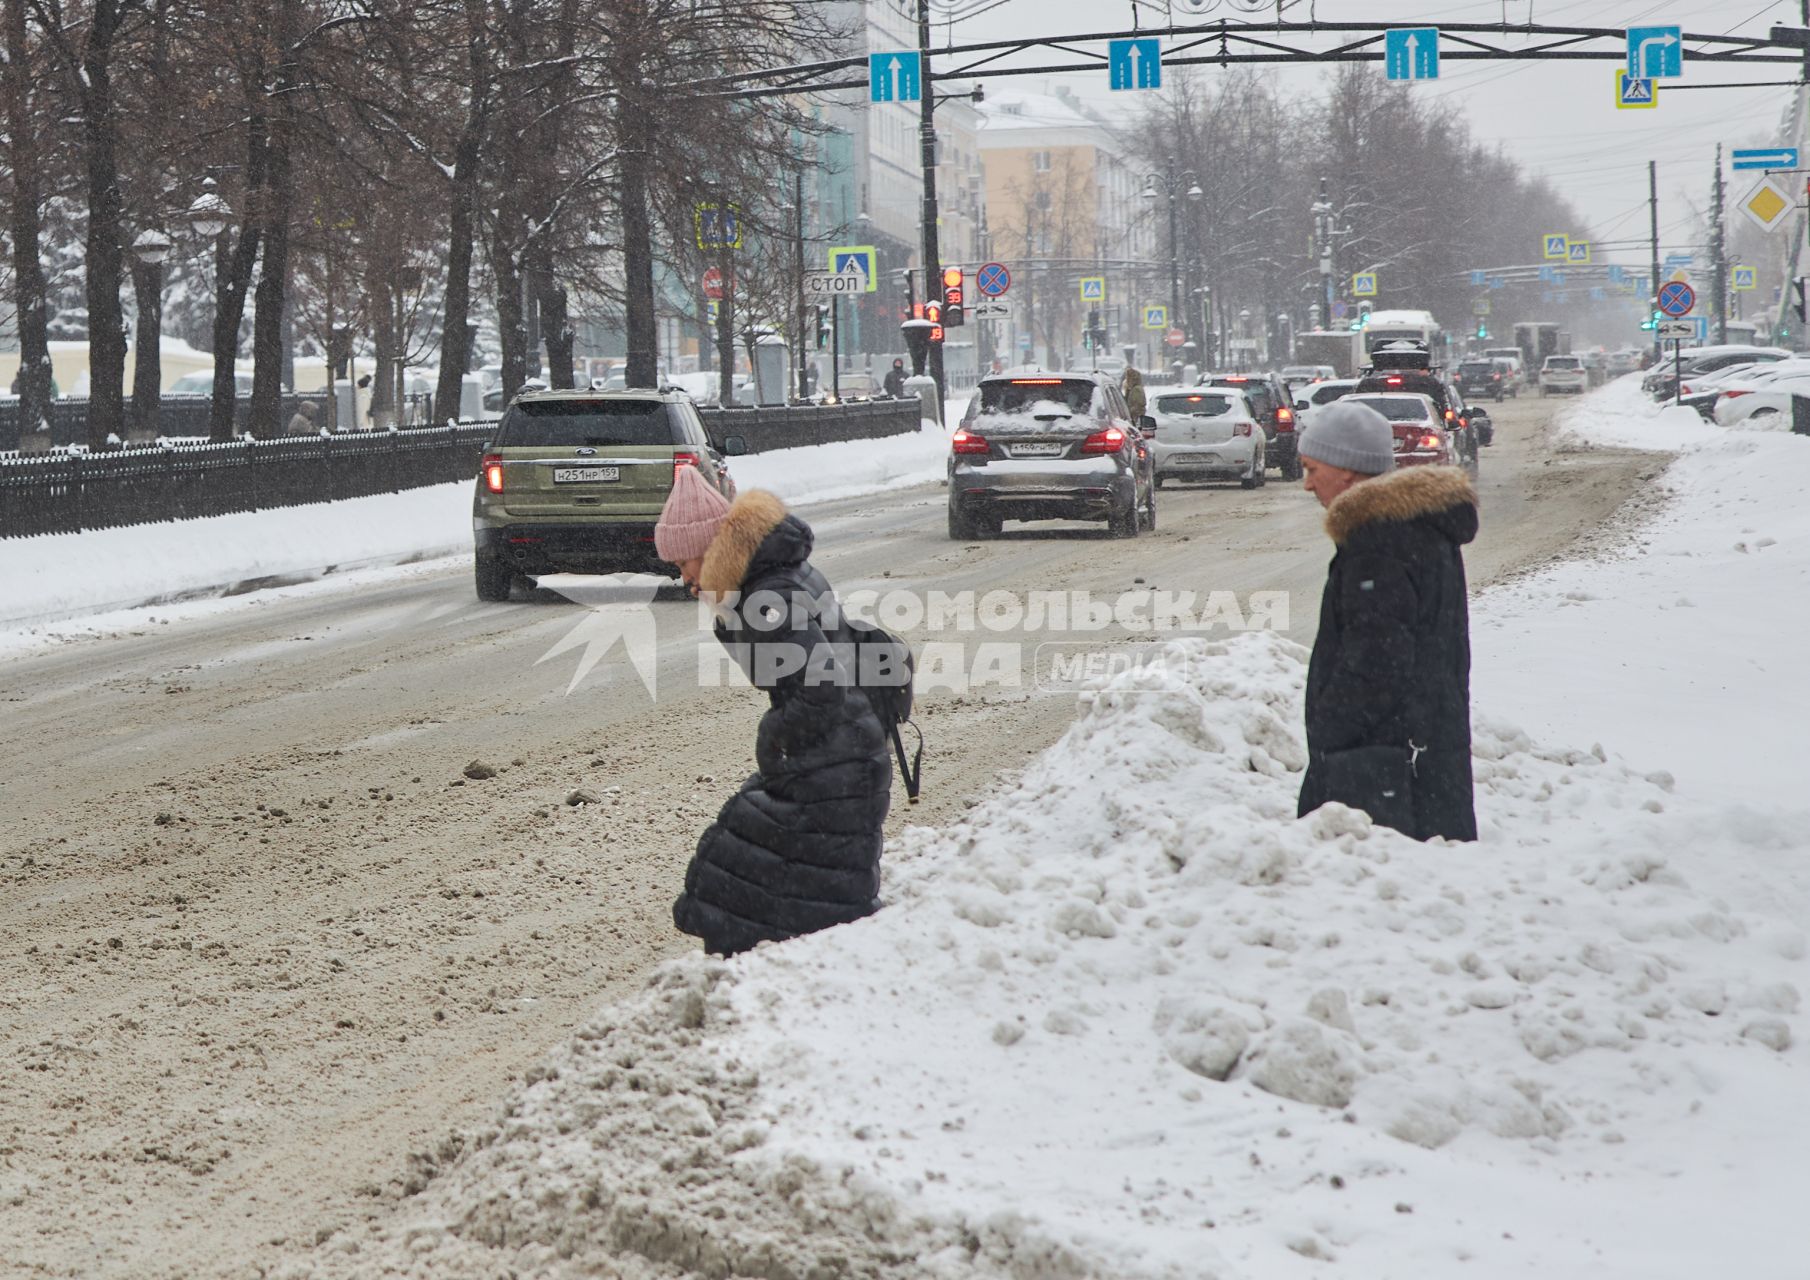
(1556, 118)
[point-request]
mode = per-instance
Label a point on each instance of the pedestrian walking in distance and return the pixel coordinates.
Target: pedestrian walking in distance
(894, 382)
(1388, 687)
(1132, 385)
(797, 848)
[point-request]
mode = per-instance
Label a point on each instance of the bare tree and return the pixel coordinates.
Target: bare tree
(24, 152)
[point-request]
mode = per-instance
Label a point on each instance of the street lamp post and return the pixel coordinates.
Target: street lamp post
(1173, 185)
(149, 252)
(209, 216)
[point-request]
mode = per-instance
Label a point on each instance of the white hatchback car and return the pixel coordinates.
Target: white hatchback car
(1564, 373)
(1308, 399)
(1206, 433)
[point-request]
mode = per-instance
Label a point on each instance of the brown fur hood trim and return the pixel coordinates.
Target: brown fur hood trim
(1401, 495)
(752, 516)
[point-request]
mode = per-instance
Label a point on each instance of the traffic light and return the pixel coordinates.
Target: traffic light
(823, 326)
(933, 312)
(1651, 322)
(1482, 329)
(1797, 299)
(955, 312)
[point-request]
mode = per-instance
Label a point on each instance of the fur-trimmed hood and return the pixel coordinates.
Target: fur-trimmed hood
(752, 517)
(1411, 493)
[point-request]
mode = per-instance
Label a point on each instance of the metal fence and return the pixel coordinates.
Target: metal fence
(69, 492)
(177, 416)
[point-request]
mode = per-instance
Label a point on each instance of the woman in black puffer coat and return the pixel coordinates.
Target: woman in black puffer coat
(797, 849)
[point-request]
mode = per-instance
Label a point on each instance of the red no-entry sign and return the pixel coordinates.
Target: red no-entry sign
(1175, 337)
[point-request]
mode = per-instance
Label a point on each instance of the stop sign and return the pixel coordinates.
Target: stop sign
(713, 284)
(1175, 337)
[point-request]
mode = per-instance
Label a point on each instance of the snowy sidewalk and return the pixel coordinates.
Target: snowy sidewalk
(1158, 1027)
(44, 580)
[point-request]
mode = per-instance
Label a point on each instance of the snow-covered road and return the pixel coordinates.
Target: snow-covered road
(327, 947)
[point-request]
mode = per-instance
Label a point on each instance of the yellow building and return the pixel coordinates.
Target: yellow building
(1063, 206)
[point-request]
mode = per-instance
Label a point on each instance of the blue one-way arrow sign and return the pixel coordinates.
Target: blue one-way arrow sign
(1135, 64)
(1411, 53)
(894, 77)
(1775, 158)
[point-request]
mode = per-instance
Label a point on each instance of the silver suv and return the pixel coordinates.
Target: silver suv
(573, 482)
(1050, 446)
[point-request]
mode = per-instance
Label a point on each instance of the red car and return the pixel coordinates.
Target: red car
(1421, 438)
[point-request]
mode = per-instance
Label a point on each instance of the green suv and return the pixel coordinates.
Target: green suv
(573, 482)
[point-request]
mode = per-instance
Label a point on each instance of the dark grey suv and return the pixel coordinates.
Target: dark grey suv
(1049, 446)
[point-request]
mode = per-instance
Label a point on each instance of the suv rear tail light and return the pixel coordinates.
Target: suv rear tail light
(682, 460)
(967, 442)
(1393, 382)
(1108, 441)
(492, 471)
(1285, 419)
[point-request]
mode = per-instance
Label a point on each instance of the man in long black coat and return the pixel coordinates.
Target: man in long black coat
(1388, 687)
(797, 848)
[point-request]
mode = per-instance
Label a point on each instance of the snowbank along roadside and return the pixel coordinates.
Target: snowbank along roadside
(105, 571)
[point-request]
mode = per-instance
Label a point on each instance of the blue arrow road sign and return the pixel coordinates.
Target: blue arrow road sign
(1411, 53)
(1616, 274)
(1655, 52)
(1498, 282)
(1676, 298)
(1678, 259)
(1477, 278)
(1548, 275)
(894, 77)
(1775, 158)
(1135, 64)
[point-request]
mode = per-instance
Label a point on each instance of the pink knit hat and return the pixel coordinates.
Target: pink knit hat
(691, 517)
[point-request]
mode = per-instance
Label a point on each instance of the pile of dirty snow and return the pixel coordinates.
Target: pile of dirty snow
(1132, 1018)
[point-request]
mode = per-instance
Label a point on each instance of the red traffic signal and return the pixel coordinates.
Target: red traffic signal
(933, 312)
(952, 277)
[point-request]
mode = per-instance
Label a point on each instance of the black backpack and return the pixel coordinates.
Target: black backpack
(885, 669)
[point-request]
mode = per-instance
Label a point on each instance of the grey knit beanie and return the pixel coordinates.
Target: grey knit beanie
(1353, 436)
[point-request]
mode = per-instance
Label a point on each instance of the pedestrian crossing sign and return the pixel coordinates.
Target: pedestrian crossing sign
(1634, 93)
(1557, 247)
(1363, 284)
(1093, 289)
(1156, 317)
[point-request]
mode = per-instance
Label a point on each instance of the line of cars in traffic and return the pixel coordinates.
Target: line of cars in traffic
(573, 481)
(1036, 445)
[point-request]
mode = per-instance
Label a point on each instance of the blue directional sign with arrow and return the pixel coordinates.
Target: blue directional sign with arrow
(1135, 64)
(1411, 53)
(1655, 53)
(894, 77)
(1772, 158)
